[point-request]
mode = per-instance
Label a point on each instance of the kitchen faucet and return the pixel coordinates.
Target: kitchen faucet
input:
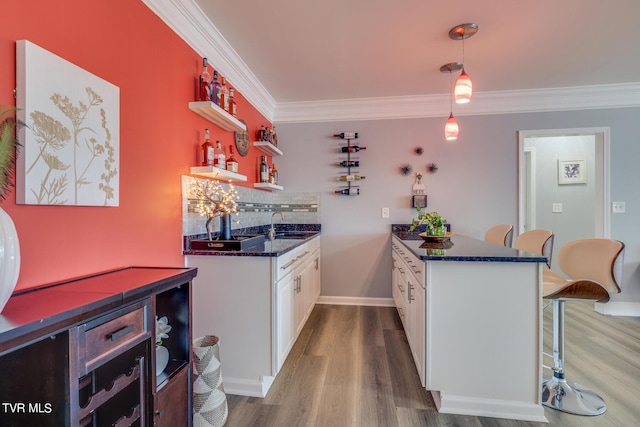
(272, 231)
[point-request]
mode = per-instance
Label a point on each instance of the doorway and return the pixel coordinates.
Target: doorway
(573, 207)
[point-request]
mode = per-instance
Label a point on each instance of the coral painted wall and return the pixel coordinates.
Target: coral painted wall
(125, 43)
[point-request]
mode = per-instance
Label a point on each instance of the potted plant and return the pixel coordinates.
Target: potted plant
(435, 223)
(9, 246)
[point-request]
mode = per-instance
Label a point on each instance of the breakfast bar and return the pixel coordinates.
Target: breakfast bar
(472, 314)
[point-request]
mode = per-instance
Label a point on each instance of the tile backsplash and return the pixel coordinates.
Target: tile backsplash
(255, 208)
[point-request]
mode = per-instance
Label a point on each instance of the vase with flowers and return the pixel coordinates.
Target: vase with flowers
(434, 222)
(162, 353)
(9, 245)
(214, 200)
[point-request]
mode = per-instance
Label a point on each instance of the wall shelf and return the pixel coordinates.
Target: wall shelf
(217, 116)
(268, 148)
(221, 174)
(268, 186)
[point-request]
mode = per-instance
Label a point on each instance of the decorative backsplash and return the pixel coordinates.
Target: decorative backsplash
(255, 208)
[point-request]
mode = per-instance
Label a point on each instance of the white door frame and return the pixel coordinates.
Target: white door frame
(602, 134)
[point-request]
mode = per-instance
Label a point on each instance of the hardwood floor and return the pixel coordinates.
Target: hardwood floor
(351, 366)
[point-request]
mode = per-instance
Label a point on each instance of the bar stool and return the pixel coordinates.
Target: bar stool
(594, 267)
(539, 242)
(500, 234)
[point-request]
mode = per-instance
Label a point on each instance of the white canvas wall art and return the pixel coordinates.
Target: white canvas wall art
(71, 144)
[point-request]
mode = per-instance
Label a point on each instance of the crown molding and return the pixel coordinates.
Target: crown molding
(187, 20)
(483, 103)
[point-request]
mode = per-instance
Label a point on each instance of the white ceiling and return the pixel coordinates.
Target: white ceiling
(304, 50)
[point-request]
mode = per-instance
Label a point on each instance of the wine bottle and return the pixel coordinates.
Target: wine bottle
(204, 90)
(232, 163)
(233, 108)
(264, 169)
(346, 135)
(216, 89)
(345, 178)
(352, 149)
(274, 174)
(348, 163)
(220, 157)
(352, 191)
(206, 150)
(224, 95)
(260, 133)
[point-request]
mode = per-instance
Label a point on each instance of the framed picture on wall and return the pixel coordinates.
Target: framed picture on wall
(572, 171)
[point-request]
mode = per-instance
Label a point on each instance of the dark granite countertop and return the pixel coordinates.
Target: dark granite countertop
(460, 248)
(268, 248)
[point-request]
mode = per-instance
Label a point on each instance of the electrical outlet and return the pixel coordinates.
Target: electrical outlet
(618, 207)
(556, 208)
(385, 212)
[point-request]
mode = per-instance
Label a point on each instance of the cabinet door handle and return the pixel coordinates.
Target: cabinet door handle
(115, 336)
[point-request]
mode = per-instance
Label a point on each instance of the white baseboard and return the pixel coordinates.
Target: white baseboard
(242, 387)
(618, 308)
(376, 302)
(489, 408)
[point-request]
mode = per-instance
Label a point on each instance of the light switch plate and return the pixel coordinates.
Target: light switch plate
(385, 212)
(556, 208)
(618, 207)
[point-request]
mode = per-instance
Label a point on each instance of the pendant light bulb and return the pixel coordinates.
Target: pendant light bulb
(451, 128)
(463, 89)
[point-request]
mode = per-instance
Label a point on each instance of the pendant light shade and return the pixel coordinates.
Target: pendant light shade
(463, 89)
(451, 128)
(451, 125)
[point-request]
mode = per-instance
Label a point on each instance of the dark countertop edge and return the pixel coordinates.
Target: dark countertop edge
(294, 243)
(401, 232)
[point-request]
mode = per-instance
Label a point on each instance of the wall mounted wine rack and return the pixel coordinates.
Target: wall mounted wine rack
(350, 164)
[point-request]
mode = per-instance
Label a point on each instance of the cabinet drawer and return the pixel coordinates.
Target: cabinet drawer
(289, 261)
(108, 336)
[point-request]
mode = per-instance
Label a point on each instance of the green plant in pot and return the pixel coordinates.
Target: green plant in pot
(435, 223)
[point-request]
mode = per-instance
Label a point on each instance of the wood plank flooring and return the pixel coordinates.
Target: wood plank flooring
(351, 366)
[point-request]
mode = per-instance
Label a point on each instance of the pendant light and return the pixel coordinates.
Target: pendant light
(464, 87)
(451, 125)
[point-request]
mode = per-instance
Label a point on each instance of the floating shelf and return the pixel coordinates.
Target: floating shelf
(221, 174)
(268, 186)
(217, 116)
(267, 147)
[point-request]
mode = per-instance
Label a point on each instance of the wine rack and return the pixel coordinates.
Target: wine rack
(350, 166)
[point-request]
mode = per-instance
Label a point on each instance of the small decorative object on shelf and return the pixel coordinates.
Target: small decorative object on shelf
(215, 200)
(242, 140)
(206, 151)
(162, 353)
(232, 163)
(204, 88)
(349, 163)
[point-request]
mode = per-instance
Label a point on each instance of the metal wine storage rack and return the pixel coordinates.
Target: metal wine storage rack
(349, 189)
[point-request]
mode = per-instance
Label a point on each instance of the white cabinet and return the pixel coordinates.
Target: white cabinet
(298, 289)
(251, 303)
(408, 290)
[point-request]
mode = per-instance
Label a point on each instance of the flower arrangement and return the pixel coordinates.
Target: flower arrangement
(433, 220)
(162, 329)
(213, 199)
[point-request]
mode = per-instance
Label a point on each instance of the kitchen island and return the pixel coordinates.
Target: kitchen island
(472, 314)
